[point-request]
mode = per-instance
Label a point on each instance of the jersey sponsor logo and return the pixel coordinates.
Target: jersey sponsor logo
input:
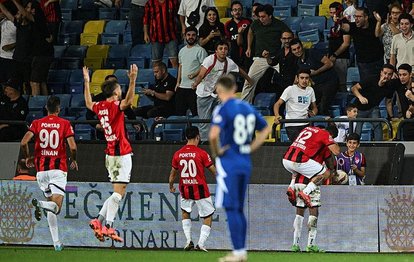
(50, 125)
(184, 155)
(103, 112)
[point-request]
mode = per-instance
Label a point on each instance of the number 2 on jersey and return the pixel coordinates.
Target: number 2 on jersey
(189, 168)
(303, 136)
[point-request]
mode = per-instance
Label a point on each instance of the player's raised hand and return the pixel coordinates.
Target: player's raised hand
(74, 165)
(377, 16)
(172, 189)
(86, 77)
(133, 72)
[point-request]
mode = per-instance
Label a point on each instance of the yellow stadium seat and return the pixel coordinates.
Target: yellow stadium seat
(95, 88)
(225, 3)
(98, 76)
(98, 51)
(222, 10)
(324, 10)
(328, 2)
(94, 26)
(89, 39)
(270, 121)
(135, 101)
(225, 19)
(93, 63)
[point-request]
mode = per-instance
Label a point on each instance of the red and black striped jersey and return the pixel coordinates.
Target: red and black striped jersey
(112, 120)
(50, 147)
(320, 158)
(161, 19)
(309, 143)
(190, 162)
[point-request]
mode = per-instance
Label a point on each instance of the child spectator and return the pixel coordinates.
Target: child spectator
(343, 127)
(349, 12)
(352, 161)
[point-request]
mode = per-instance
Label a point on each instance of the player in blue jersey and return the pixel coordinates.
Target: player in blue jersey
(231, 139)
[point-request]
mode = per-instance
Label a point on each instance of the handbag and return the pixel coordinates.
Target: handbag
(194, 16)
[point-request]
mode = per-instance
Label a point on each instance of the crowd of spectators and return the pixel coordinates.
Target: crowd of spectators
(381, 32)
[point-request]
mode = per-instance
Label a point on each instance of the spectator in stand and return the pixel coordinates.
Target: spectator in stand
(369, 93)
(160, 29)
(381, 7)
(322, 74)
(388, 29)
(339, 43)
(51, 9)
(190, 59)
(7, 43)
(212, 68)
(90, 115)
(298, 98)
(287, 64)
(211, 31)
(236, 32)
(349, 12)
(402, 45)
(189, 15)
(254, 6)
(266, 33)
(406, 5)
(404, 88)
(22, 172)
(136, 17)
(343, 127)
(369, 49)
(352, 161)
(13, 107)
(162, 94)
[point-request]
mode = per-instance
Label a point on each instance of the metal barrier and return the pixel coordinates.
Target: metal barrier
(127, 121)
(400, 131)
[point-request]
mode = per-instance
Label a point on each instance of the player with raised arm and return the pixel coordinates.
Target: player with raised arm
(189, 162)
(50, 133)
(299, 159)
(231, 140)
(118, 160)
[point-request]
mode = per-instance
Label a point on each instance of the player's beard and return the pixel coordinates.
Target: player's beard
(191, 41)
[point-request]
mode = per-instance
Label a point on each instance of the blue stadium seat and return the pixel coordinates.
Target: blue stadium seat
(66, 15)
(126, 3)
(34, 114)
(77, 105)
(264, 2)
(37, 102)
(173, 72)
(282, 11)
(291, 3)
(329, 23)
(87, 4)
(352, 76)
(117, 56)
(64, 103)
(123, 14)
(323, 124)
(122, 75)
(264, 102)
(306, 10)
(309, 36)
(59, 50)
(174, 131)
(107, 13)
(141, 62)
(335, 110)
(144, 100)
(75, 85)
(293, 23)
(311, 2)
(83, 132)
(78, 51)
(69, 4)
(56, 80)
(146, 75)
(113, 31)
(141, 50)
(312, 22)
(283, 135)
(70, 32)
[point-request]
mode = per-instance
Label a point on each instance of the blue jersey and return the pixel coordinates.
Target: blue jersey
(238, 121)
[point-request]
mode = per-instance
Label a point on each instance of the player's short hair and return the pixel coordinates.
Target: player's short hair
(353, 136)
(236, 3)
(221, 42)
(191, 29)
(363, 9)
(111, 76)
(406, 16)
(191, 132)
(108, 87)
(388, 66)
(406, 67)
(296, 41)
(303, 71)
(267, 8)
(227, 82)
(332, 129)
(161, 65)
(350, 107)
(53, 104)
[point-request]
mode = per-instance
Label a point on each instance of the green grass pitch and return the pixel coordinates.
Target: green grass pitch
(42, 254)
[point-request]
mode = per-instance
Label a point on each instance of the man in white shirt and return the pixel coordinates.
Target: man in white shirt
(402, 45)
(188, 6)
(298, 99)
(7, 44)
(214, 66)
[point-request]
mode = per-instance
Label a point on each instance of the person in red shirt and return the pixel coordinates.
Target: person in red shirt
(50, 133)
(118, 151)
(300, 159)
(190, 162)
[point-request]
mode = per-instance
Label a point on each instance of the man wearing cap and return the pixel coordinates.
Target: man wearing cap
(12, 107)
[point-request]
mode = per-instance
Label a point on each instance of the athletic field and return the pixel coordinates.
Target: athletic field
(41, 254)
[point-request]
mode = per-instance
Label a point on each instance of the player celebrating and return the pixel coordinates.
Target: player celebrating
(299, 159)
(231, 140)
(190, 161)
(300, 183)
(49, 159)
(118, 151)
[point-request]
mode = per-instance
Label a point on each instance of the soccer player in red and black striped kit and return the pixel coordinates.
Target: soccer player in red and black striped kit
(50, 133)
(190, 162)
(118, 151)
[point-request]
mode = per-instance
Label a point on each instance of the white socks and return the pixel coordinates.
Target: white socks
(297, 225)
(49, 206)
(204, 233)
(309, 188)
(187, 229)
(53, 227)
(312, 225)
(112, 208)
(103, 211)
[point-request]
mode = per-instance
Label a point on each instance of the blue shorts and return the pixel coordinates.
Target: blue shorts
(157, 50)
(231, 186)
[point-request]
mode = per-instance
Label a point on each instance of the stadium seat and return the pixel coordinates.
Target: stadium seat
(270, 122)
(126, 4)
(77, 51)
(309, 36)
(324, 11)
(94, 26)
(73, 57)
(83, 132)
(113, 30)
(282, 11)
(146, 75)
(95, 88)
(75, 85)
(293, 23)
(89, 39)
(122, 75)
(69, 32)
(64, 103)
(69, 4)
(141, 50)
(291, 3)
(59, 50)
(144, 100)
(224, 19)
(352, 76)
(77, 106)
(107, 13)
(312, 22)
(264, 2)
(95, 56)
(173, 72)
(117, 56)
(263, 102)
(98, 76)
(123, 13)
(71, 63)
(335, 110)
(306, 10)
(311, 2)
(141, 62)
(328, 2)
(34, 114)
(87, 4)
(56, 81)
(37, 102)
(67, 15)
(174, 131)
(283, 135)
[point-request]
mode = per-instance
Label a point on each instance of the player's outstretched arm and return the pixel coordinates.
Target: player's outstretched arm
(335, 149)
(73, 153)
(24, 144)
(261, 136)
(213, 170)
(87, 91)
(213, 138)
(173, 175)
(129, 98)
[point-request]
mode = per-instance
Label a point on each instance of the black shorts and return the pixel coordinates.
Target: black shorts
(40, 68)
